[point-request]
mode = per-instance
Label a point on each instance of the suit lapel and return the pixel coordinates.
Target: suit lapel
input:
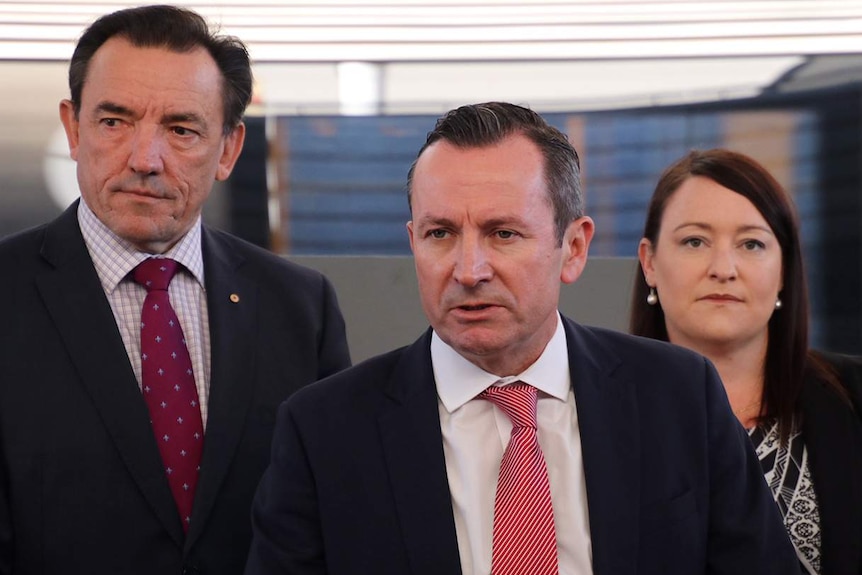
(607, 418)
(76, 302)
(413, 445)
(232, 309)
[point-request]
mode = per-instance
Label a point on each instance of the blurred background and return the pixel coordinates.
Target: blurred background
(346, 91)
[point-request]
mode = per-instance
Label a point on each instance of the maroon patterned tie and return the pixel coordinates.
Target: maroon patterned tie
(168, 384)
(524, 539)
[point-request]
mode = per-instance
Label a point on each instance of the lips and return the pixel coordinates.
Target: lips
(721, 297)
(144, 193)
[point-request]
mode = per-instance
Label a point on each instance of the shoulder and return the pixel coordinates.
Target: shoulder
(661, 375)
(630, 349)
(20, 243)
(32, 251)
(61, 237)
(843, 363)
(847, 369)
(367, 377)
(268, 266)
(360, 392)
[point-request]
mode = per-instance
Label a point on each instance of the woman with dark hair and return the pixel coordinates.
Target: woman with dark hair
(723, 275)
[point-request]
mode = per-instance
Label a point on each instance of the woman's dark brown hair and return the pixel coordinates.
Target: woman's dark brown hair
(787, 354)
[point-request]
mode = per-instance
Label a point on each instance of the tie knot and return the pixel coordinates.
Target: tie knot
(155, 273)
(517, 400)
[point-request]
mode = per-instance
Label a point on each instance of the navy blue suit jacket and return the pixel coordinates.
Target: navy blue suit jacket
(82, 485)
(357, 482)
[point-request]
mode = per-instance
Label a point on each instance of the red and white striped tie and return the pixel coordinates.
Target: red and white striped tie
(524, 538)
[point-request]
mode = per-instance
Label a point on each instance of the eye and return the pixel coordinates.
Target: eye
(505, 234)
(183, 131)
(437, 234)
(752, 245)
(110, 122)
(692, 242)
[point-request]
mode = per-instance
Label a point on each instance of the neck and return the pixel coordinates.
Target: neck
(741, 369)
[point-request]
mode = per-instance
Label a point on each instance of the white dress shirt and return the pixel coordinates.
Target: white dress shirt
(114, 259)
(475, 434)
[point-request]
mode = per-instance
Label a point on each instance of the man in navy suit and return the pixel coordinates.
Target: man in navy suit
(154, 118)
(391, 467)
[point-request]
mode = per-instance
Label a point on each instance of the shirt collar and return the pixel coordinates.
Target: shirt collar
(114, 257)
(458, 380)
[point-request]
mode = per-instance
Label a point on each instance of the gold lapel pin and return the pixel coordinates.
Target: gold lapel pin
(234, 298)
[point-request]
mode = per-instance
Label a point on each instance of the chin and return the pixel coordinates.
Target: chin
(724, 337)
(144, 236)
(472, 345)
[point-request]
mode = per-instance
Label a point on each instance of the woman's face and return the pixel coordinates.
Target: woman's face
(716, 267)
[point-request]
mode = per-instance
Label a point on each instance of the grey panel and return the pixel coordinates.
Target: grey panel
(380, 299)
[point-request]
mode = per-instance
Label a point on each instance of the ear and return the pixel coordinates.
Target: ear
(576, 245)
(410, 234)
(230, 152)
(645, 255)
(70, 125)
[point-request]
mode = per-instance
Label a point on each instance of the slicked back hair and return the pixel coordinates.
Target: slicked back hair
(179, 30)
(487, 124)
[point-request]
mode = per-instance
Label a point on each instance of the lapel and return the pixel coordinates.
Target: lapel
(74, 298)
(833, 434)
(413, 446)
(233, 340)
(610, 442)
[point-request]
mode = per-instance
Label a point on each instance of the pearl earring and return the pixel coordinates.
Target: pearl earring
(652, 298)
(778, 303)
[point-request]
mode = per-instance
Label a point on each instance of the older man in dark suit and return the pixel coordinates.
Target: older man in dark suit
(143, 355)
(508, 439)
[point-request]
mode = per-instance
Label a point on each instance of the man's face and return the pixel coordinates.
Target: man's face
(148, 140)
(487, 259)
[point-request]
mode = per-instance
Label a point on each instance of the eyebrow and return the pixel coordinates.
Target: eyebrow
(187, 118)
(113, 108)
(120, 110)
(745, 228)
(435, 221)
(488, 224)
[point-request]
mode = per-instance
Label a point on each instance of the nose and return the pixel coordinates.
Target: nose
(472, 266)
(145, 155)
(722, 264)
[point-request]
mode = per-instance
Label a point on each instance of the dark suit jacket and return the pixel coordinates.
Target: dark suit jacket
(832, 431)
(82, 487)
(357, 482)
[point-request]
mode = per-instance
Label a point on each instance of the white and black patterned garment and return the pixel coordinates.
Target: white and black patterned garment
(787, 472)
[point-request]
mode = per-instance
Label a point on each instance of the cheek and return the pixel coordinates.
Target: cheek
(431, 261)
(672, 278)
(427, 274)
(770, 282)
(196, 195)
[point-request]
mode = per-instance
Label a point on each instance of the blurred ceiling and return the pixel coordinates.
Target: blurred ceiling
(475, 30)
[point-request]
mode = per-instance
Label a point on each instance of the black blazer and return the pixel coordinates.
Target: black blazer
(832, 431)
(82, 487)
(357, 482)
